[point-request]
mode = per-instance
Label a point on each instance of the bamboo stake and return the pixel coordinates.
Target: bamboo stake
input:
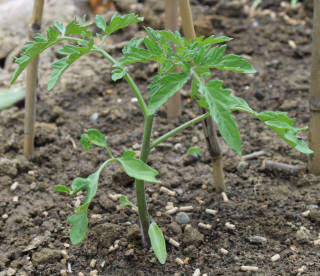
(31, 85)
(209, 127)
(171, 23)
(314, 100)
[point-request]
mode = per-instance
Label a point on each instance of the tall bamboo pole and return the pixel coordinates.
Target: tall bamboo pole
(31, 85)
(209, 127)
(172, 23)
(314, 100)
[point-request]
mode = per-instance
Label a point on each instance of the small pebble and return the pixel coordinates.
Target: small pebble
(14, 186)
(186, 208)
(167, 191)
(302, 269)
(230, 226)
(257, 239)
(316, 242)
(94, 116)
(15, 199)
(80, 274)
(224, 251)
(66, 245)
(5, 216)
(93, 263)
(196, 272)
(275, 258)
(134, 100)
(11, 271)
(94, 273)
(63, 272)
(225, 197)
(303, 234)
(182, 218)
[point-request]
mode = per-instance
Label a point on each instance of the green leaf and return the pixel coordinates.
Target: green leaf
(73, 53)
(59, 27)
(235, 63)
(136, 168)
(101, 22)
(220, 103)
(132, 53)
(118, 73)
(158, 243)
(33, 48)
(284, 127)
(119, 22)
(93, 136)
(124, 201)
(164, 87)
(79, 227)
(62, 189)
(73, 28)
(194, 150)
(9, 97)
(216, 39)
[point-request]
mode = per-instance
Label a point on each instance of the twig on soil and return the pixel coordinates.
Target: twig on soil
(253, 155)
(282, 167)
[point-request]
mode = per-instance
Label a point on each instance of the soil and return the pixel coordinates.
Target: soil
(272, 212)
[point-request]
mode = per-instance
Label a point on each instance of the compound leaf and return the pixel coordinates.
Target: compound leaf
(236, 64)
(164, 87)
(119, 22)
(101, 22)
(220, 104)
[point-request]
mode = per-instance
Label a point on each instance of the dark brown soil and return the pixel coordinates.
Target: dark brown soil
(268, 204)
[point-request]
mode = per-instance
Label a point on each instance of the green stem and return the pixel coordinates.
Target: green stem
(127, 77)
(179, 128)
(140, 187)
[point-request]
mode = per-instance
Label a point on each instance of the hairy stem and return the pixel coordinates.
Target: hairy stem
(178, 129)
(140, 187)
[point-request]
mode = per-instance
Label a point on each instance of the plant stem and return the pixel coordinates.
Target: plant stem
(178, 129)
(127, 77)
(140, 187)
(31, 84)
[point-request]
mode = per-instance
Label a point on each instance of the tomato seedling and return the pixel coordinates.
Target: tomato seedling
(179, 61)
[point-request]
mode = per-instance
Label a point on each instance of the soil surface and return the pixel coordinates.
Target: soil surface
(270, 212)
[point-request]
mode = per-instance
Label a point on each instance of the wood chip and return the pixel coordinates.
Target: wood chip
(172, 210)
(224, 197)
(211, 211)
(253, 155)
(186, 208)
(167, 191)
(174, 243)
(93, 263)
(249, 268)
(179, 261)
(204, 226)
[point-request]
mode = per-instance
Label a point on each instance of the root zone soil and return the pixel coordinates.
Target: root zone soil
(273, 213)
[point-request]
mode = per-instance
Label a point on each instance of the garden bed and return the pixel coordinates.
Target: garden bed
(272, 212)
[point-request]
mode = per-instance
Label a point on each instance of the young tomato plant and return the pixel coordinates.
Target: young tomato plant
(179, 60)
